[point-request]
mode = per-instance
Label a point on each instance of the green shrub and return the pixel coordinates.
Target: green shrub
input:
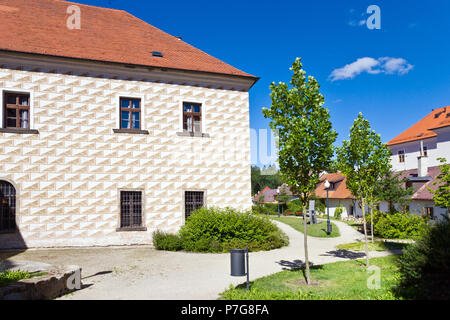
(219, 230)
(259, 209)
(295, 206)
(228, 228)
(397, 225)
(167, 241)
(424, 267)
(338, 212)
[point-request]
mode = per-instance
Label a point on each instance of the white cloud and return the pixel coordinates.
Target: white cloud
(385, 65)
(395, 65)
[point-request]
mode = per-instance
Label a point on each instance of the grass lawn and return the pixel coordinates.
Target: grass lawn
(352, 224)
(345, 280)
(9, 276)
(376, 246)
(313, 230)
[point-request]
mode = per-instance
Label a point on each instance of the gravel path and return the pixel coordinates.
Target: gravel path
(145, 273)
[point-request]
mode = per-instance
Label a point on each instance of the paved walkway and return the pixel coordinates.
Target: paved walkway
(145, 273)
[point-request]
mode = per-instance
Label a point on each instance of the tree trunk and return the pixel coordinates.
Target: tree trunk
(365, 230)
(305, 237)
(371, 222)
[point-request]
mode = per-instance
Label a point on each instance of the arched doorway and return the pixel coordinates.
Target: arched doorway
(7, 207)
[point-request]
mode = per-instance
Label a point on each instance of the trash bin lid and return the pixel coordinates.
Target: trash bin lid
(237, 251)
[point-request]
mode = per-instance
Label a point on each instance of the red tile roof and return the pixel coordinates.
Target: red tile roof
(421, 191)
(340, 187)
(40, 27)
(423, 129)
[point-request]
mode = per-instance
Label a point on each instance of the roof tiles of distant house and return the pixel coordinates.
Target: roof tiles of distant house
(107, 35)
(339, 191)
(423, 129)
(422, 193)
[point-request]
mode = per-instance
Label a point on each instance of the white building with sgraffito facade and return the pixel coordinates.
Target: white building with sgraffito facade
(112, 129)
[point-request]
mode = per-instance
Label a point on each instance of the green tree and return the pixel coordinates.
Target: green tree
(363, 159)
(442, 193)
(305, 135)
(261, 180)
(390, 189)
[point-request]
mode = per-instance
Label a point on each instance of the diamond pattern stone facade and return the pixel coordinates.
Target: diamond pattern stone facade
(69, 175)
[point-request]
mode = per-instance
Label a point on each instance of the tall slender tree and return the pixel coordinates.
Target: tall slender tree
(363, 159)
(305, 136)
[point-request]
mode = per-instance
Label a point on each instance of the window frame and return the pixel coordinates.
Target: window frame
(130, 110)
(184, 191)
(16, 207)
(401, 156)
(193, 114)
(425, 151)
(30, 93)
(142, 227)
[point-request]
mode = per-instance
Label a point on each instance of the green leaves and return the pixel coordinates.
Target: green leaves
(363, 159)
(442, 193)
(305, 132)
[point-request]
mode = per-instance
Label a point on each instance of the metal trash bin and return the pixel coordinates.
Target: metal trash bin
(238, 262)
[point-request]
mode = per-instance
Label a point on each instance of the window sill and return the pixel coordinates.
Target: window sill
(19, 131)
(129, 229)
(192, 134)
(131, 131)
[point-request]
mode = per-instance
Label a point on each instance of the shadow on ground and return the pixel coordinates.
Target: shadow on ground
(345, 254)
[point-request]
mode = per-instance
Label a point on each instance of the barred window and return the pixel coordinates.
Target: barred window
(130, 209)
(7, 207)
(192, 200)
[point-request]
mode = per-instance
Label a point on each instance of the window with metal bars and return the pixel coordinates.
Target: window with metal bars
(7, 207)
(192, 200)
(130, 209)
(192, 117)
(16, 110)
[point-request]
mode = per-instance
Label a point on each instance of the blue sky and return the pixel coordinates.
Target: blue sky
(405, 75)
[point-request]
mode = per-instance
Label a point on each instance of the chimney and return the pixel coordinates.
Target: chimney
(422, 166)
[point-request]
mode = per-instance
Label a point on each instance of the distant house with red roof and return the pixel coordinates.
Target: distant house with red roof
(420, 146)
(415, 153)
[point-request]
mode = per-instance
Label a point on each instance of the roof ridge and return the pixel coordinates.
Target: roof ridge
(87, 5)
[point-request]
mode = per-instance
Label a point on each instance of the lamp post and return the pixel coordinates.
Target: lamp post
(278, 194)
(327, 186)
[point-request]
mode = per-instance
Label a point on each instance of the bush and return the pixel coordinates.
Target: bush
(338, 212)
(259, 209)
(397, 225)
(424, 267)
(167, 241)
(218, 230)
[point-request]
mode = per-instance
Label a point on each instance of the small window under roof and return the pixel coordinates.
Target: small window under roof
(157, 54)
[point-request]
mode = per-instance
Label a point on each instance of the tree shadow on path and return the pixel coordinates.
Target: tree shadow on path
(345, 254)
